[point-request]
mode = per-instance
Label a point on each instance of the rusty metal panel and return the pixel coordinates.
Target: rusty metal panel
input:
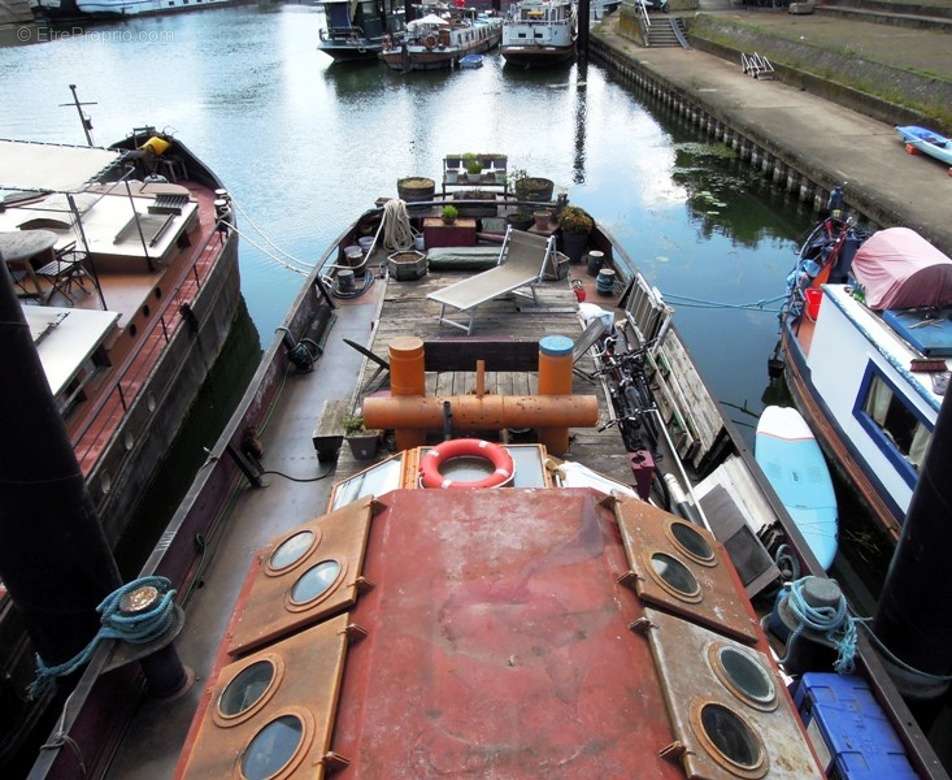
(305, 575)
(499, 644)
(729, 709)
(272, 713)
(681, 566)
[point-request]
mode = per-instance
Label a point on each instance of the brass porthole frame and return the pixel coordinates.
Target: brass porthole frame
(669, 532)
(713, 653)
(689, 598)
(287, 769)
(738, 770)
(316, 537)
(227, 721)
(302, 606)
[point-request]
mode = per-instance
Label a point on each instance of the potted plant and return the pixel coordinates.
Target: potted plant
(576, 225)
(474, 168)
(449, 214)
(416, 188)
(485, 208)
(531, 188)
(362, 443)
(543, 219)
(520, 220)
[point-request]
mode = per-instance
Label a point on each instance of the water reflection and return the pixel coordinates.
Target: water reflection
(581, 83)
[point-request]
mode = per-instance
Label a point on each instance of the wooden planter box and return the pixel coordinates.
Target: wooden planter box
(462, 232)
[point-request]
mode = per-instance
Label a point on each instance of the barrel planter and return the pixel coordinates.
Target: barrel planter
(534, 188)
(414, 189)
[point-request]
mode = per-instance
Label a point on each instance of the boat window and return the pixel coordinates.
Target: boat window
(896, 421)
(731, 737)
(246, 689)
(375, 481)
(691, 542)
(271, 748)
(291, 550)
(677, 576)
(315, 582)
(743, 676)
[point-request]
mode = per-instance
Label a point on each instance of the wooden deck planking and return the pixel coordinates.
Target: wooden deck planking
(407, 312)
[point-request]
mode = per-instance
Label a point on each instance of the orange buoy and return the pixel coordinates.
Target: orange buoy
(503, 467)
(910, 149)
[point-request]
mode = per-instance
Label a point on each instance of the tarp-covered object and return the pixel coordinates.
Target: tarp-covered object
(899, 269)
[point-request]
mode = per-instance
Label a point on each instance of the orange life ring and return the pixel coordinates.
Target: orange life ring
(430, 41)
(430, 476)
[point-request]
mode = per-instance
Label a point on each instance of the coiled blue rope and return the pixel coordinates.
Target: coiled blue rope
(835, 623)
(136, 629)
(702, 303)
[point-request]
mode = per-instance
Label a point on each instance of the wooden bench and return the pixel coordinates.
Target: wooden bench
(330, 431)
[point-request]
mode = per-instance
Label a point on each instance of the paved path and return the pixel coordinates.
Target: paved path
(826, 141)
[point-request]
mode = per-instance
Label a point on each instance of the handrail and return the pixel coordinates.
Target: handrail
(644, 14)
(166, 326)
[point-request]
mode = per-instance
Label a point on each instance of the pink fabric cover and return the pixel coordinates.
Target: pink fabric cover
(899, 269)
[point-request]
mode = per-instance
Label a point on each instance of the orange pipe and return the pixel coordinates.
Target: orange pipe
(407, 378)
(555, 378)
(491, 412)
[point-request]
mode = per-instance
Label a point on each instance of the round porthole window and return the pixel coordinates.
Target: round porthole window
(731, 741)
(315, 582)
(690, 541)
(272, 748)
(246, 689)
(744, 676)
(291, 551)
(675, 577)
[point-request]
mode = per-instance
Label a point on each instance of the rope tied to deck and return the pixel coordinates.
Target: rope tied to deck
(137, 629)
(833, 622)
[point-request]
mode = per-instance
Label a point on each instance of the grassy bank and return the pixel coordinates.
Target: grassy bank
(913, 76)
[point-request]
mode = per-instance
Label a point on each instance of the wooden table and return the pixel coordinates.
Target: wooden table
(19, 247)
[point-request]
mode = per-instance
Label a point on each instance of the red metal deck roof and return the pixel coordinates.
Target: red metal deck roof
(498, 644)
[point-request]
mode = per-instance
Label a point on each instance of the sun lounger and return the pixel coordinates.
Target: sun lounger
(522, 261)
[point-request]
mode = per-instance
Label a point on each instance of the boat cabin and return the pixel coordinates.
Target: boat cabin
(872, 355)
(364, 19)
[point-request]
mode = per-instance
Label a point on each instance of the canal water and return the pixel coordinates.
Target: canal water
(305, 146)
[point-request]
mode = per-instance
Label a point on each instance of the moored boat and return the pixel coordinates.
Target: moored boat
(357, 32)
(537, 33)
(129, 284)
(380, 588)
(435, 42)
(928, 142)
(867, 342)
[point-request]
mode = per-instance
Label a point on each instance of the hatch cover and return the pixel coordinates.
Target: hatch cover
(680, 566)
(729, 709)
(271, 714)
(303, 576)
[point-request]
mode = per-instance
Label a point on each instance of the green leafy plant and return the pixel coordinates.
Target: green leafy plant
(517, 175)
(353, 424)
(449, 213)
(576, 220)
(473, 166)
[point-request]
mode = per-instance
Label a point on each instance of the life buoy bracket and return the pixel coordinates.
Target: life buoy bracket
(430, 463)
(430, 41)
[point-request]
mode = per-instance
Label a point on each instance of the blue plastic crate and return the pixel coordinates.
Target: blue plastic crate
(859, 739)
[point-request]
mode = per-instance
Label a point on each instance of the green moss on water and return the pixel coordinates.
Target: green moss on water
(718, 151)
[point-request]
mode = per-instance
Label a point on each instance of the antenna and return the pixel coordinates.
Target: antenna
(85, 120)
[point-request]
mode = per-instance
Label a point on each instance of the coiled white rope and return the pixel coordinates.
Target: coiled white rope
(398, 234)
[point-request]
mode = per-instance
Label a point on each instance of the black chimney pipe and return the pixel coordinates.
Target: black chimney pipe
(913, 618)
(54, 559)
(584, 15)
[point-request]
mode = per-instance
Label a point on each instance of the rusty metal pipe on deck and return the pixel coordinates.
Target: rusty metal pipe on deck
(491, 412)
